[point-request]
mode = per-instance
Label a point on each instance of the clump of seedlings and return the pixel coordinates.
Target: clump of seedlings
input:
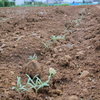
(34, 57)
(55, 38)
(33, 83)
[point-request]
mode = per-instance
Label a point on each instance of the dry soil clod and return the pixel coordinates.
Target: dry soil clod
(32, 68)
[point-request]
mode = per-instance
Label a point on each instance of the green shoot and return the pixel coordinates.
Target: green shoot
(38, 83)
(34, 57)
(35, 85)
(46, 44)
(55, 38)
(20, 88)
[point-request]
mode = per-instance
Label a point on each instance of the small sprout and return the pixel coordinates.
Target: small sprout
(34, 57)
(47, 44)
(37, 84)
(55, 38)
(20, 88)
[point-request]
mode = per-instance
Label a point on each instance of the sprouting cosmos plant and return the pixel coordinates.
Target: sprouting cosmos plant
(33, 83)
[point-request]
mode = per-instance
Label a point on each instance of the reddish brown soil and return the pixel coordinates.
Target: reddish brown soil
(22, 31)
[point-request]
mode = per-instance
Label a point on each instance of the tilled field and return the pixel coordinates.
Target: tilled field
(74, 52)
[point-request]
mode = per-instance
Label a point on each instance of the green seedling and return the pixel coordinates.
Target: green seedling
(55, 38)
(47, 44)
(38, 83)
(20, 88)
(34, 57)
(33, 83)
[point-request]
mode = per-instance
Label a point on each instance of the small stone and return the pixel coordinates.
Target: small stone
(89, 13)
(80, 53)
(16, 45)
(88, 47)
(85, 90)
(3, 46)
(73, 97)
(72, 64)
(55, 50)
(2, 40)
(12, 72)
(79, 82)
(25, 28)
(68, 57)
(84, 74)
(20, 66)
(56, 91)
(60, 50)
(13, 84)
(54, 55)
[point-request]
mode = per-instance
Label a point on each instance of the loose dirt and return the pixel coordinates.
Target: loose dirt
(26, 31)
